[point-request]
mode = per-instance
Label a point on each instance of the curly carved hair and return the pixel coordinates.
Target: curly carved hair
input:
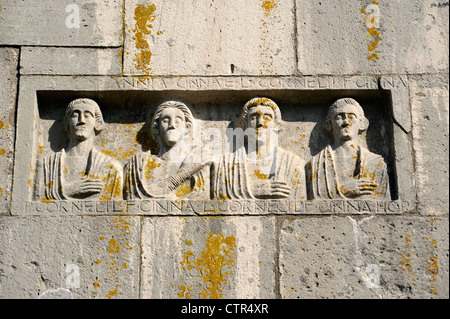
(263, 101)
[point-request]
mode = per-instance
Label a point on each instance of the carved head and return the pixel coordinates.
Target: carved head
(264, 116)
(345, 119)
(171, 122)
(82, 118)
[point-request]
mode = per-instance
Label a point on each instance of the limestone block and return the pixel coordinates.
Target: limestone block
(376, 37)
(68, 61)
(430, 115)
(69, 257)
(209, 257)
(56, 22)
(8, 88)
(209, 37)
(373, 257)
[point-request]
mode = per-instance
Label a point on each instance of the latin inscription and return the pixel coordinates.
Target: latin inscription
(215, 207)
(246, 83)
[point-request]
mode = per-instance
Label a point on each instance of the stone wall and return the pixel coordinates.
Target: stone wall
(129, 54)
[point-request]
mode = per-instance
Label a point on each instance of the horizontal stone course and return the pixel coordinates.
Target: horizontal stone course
(371, 257)
(69, 257)
(372, 37)
(70, 61)
(209, 38)
(61, 22)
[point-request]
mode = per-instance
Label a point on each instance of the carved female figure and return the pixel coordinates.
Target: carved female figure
(172, 173)
(80, 171)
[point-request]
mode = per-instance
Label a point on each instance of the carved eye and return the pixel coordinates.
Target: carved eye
(178, 120)
(88, 114)
(75, 114)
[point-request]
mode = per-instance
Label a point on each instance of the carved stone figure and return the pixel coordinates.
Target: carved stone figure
(173, 173)
(80, 171)
(259, 169)
(345, 169)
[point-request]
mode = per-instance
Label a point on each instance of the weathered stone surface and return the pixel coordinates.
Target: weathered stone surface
(54, 22)
(42, 257)
(348, 38)
(8, 90)
(430, 109)
(208, 257)
(373, 257)
(69, 61)
(209, 38)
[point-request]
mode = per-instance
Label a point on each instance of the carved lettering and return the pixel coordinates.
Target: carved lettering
(213, 207)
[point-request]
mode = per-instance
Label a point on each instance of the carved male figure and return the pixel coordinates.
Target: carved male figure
(260, 169)
(345, 169)
(80, 171)
(172, 173)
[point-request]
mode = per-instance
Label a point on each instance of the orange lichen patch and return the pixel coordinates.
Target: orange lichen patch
(268, 5)
(374, 32)
(149, 166)
(260, 175)
(185, 292)
(373, 56)
(113, 248)
(373, 45)
(111, 293)
(144, 16)
(406, 260)
(117, 247)
(96, 284)
(220, 252)
(1, 192)
(45, 200)
(120, 153)
(183, 190)
(2, 151)
(213, 266)
(432, 267)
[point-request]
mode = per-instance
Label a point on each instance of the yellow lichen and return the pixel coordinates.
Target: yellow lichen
(268, 5)
(144, 16)
(213, 266)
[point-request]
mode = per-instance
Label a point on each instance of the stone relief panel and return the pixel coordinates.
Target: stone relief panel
(79, 171)
(189, 152)
(345, 168)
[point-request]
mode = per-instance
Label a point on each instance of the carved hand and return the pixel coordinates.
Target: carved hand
(83, 189)
(360, 187)
(191, 166)
(159, 189)
(268, 188)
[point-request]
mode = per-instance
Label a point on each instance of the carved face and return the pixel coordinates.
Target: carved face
(172, 126)
(345, 123)
(81, 121)
(261, 119)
